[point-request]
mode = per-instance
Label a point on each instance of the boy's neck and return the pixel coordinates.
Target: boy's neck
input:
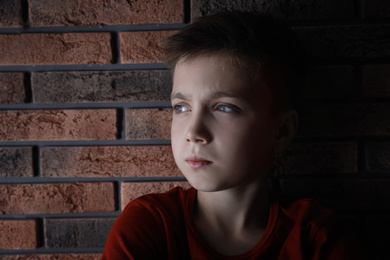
(241, 215)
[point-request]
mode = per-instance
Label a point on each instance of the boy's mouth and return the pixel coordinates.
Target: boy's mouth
(197, 162)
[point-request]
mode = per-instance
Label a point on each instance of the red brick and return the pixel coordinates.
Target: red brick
(291, 10)
(18, 234)
(11, 13)
(16, 162)
(347, 41)
(143, 47)
(345, 120)
(133, 190)
(118, 86)
(52, 257)
(148, 124)
(319, 158)
(76, 233)
(108, 161)
(376, 9)
(378, 157)
(343, 194)
(56, 198)
(67, 48)
(376, 80)
(99, 12)
(329, 82)
(12, 89)
(58, 125)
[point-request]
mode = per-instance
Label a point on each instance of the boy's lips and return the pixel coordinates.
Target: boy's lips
(197, 162)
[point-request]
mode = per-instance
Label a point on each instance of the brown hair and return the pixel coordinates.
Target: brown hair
(249, 40)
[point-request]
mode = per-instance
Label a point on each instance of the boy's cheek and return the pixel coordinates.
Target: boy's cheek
(176, 132)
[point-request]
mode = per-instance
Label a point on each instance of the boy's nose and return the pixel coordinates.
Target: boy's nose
(198, 131)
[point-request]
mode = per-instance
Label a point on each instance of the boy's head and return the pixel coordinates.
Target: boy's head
(263, 50)
(231, 111)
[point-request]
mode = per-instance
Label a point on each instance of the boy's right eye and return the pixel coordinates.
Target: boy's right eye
(180, 109)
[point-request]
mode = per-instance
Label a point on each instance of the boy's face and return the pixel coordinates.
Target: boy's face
(223, 130)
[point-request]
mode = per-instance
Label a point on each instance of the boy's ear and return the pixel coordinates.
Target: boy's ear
(287, 129)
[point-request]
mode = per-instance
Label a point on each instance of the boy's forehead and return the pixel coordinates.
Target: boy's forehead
(216, 75)
(224, 60)
(209, 75)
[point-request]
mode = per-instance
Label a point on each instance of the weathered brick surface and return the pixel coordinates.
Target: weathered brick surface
(377, 157)
(56, 198)
(345, 120)
(143, 47)
(126, 86)
(319, 158)
(52, 257)
(11, 13)
(75, 233)
(376, 80)
(133, 190)
(58, 125)
(67, 48)
(341, 194)
(329, 82)
(98, 12)
(347, 41)
(12, 89)
(374, 9)
(18, 234)
(16, 162)
(108, 161)
(148, 124)
(292, 10)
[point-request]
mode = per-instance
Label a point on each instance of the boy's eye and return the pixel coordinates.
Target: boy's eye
(180, 109)
(226, 109)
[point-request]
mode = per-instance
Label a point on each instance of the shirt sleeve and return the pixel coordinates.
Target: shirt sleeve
(136, 234)
(334, 241)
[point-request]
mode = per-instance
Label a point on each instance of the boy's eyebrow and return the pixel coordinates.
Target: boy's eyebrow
(230, 94)
(178, 95)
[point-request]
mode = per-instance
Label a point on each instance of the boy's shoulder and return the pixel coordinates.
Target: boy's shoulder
(310, 216)
(326, 230)
(149, 228)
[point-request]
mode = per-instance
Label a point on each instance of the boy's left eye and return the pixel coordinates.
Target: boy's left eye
(226, 108)
(180, 109)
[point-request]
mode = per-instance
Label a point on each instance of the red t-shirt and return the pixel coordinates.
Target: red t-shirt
(160, 226)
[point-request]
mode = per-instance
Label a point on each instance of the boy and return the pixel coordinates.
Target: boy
(234, 80)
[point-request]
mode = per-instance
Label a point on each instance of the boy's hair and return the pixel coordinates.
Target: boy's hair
(250, 41)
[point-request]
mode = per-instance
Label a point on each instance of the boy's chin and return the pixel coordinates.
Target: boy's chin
(204, 186)
(209, 186)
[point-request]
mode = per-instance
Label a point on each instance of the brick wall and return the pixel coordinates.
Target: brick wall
(84, 124)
